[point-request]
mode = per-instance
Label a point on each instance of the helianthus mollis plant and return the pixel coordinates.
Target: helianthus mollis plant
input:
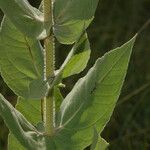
(43, 119)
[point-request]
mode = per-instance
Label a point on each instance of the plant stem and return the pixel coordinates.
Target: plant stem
(49, 55)
(47, 5)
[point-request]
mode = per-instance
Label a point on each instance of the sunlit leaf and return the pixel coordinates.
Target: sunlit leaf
(77, 58)
(93, 98)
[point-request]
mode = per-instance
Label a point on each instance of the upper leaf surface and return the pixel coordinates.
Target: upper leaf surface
(93, 98)
(71, 17)
(21, 62)
(26, 18)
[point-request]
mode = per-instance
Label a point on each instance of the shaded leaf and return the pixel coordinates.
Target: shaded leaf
(71, 18)
(21, 62)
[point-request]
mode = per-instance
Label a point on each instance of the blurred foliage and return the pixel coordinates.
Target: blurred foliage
(116, 21)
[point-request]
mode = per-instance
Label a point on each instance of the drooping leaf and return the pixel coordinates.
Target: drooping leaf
(21, 62)
(98, 142)
(27, 19)
(17, 124)
(71, 17)
(77, 58)
(25, 133)
(93, 98)
(31, 110)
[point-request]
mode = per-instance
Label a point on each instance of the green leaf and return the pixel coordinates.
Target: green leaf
(27, 19)
(31, 109)
(101, 144)
(13, 143)
(90, 104)
(24, 132)
(21, 62)
(71, 18)
(93, 98)
(77, 58)
(17, 124)
(95, 139)
(98, 142)
(58, 98)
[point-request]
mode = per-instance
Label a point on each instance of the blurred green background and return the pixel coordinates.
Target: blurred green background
(116, 21)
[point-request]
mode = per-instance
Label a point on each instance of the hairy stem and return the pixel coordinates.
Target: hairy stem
(49, 54)
(47, 5)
